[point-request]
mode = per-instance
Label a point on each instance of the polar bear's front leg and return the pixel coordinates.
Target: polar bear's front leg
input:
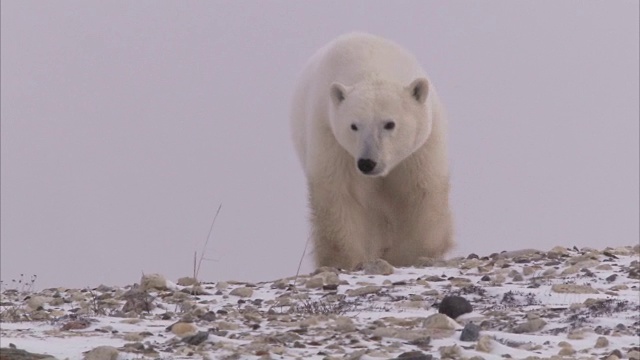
(337, 228)
(425, 229)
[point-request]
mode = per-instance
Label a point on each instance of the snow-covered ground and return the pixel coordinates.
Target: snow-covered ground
(561, 304)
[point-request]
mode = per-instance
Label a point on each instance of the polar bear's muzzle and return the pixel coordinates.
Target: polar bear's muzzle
(370, 167)
(366, 166)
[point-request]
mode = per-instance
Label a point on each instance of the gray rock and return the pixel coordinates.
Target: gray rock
(450, 352)
(187, 281)
(242, 292)
(36, 302)
(438, 321)
(421, 342)
(314, 282)
(530, 326)
(196, 339)
(454, 306)
(413, 355)
(518, 253)
(365, 290)
(602, 342)
(377, 267)
(573, 289)
(344, 324)
(485, 344)
(471, 332)
(208, 316)
(102, 353)
(153, 282)
(325, 269)
(137, 301)
(18, 354)
(356, 355)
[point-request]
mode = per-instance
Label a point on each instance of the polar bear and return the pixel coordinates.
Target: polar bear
(370, 133)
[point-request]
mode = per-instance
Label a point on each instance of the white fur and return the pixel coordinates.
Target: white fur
(399, 211)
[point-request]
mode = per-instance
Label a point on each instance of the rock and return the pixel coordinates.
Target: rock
(617, 353)
(573, 289)
(137, 301)
(570, 270)
(133, 337)
(153, 282)
(36, 302)
(377, 267)
(633, 355)
(242, 292)
(208, 316)
(528, 270)
(421, 342)
(40, 315)
(314, 282)
(450, 352)
(485, 344)
(78, 324)
(438, 321)
(56, 301)
(575, 335)
(471, 263)
(183, 329)
(471, 332)
(356, 355)
(559, 250)
(18, 354)
(518, 253)
(326, 280)
(187, 281)
(530, 326)
(601, 342)
(454, 306)
(550, 272)
(344, 324)
(585, 264)
(429, 262)
(567, 351)
(196, 339)
(365, 290)
(331, 279)
(102, 353)
(604, 267)
(222, 285)
(384, 332)
(413, 355)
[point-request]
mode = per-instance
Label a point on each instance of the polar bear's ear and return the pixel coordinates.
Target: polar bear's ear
(338, 93)
(419, 89)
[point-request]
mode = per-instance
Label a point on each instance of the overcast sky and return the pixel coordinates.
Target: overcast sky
(125, 124)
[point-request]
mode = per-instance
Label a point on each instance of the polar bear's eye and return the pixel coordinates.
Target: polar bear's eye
(354, 127)
(389, 125)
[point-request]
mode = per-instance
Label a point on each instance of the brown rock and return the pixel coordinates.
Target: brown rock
(573, 289)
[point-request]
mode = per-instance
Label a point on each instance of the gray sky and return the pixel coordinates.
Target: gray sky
(126, 123)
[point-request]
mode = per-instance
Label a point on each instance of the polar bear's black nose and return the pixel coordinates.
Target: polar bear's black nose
(366, 165)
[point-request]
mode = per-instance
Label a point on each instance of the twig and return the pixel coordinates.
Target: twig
(197, 271)
(295, 280)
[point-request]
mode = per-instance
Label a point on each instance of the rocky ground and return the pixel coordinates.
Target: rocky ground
(557, 304)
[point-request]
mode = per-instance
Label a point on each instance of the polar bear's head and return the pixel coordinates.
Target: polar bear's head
(380, 123)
